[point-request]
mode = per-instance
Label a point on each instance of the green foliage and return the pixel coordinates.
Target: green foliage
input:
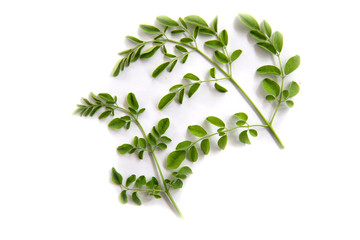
(186, 31)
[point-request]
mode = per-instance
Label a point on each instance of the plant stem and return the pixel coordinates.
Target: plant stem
(152, 153)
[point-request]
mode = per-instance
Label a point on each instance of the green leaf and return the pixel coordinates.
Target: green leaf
(212, 72)
(172, 65)
(267, 28)
(220, 88)
(149, 29)
(215, 24)
(241, 116)
(222, 142)
(215, 121)
(185, 170)
(269, 70)
(142, 143)
(240, 123)
(160, 69)
(148, 53)
(165, 139)
(152, 183)
(131, 100)
(136, 198)
(182, 21)
(193, 154)
(244, 138)
(183, 145)
(271, 87)
(124, 148)
(181, 96)
(191, 76)
(294, 89)
(116, 177)
(177, 184)
(197, 130)
(221, 57)
(104, 114)
(193, 89)
(224, 38)
(207, 31)
(175, 159)
(162, 146)
(196, 31)
(258, 35)
(290, 103)
(235, 54)
(123, 197)
(116, 123)
(196, 20)
(214, 44)
(253, 132)
(141, 181)
(278, 41)
(168, 98)
(107, 97)
(134, 39)
(249, 21)
(285, 94)
(186, 40)
(270, 98)
(141, 154)
(292, 64)
(155, 132)
(181, 48)
(267, 46)
(177, 31)
(183, 60)
(130, 180)
(205, 146)
(163, 125)
(151, 139)
(176, 87)
(166, 21)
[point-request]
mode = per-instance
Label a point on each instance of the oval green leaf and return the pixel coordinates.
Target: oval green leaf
(149, 52)
(131, 100)
(256, 34)
(222, 142)
(269, 70)
(215, 121)
(220, 88)
(175, 159)
(183, 145)
(166, 21)
(160, 69)
(136, 198)
(294, 89)
(196, 20)
(241, 116)
(193, 154)
(205, 146)
(221, 57)
(235, 54)
(244, 137)
(214, 44)
(292, 64)
(267, 28)
(149, 29)
(191, 76)
(193, 89)
(278, 41)
(168, 98)
(116, 177)
(267, 46)
(123, 197)
(163, 125)
(224, 38)
(197, 130)
(116, 123)
(249, 21)
(271, 87)
(130, 180)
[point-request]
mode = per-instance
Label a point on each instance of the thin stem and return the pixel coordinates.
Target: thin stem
(281, 87)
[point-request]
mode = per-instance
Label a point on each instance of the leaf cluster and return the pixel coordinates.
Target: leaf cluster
(190, 149)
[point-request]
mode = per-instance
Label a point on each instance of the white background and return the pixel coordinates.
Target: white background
(54, 167)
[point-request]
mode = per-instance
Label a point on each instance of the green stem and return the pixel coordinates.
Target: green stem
(151, 150)
(281, 87)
